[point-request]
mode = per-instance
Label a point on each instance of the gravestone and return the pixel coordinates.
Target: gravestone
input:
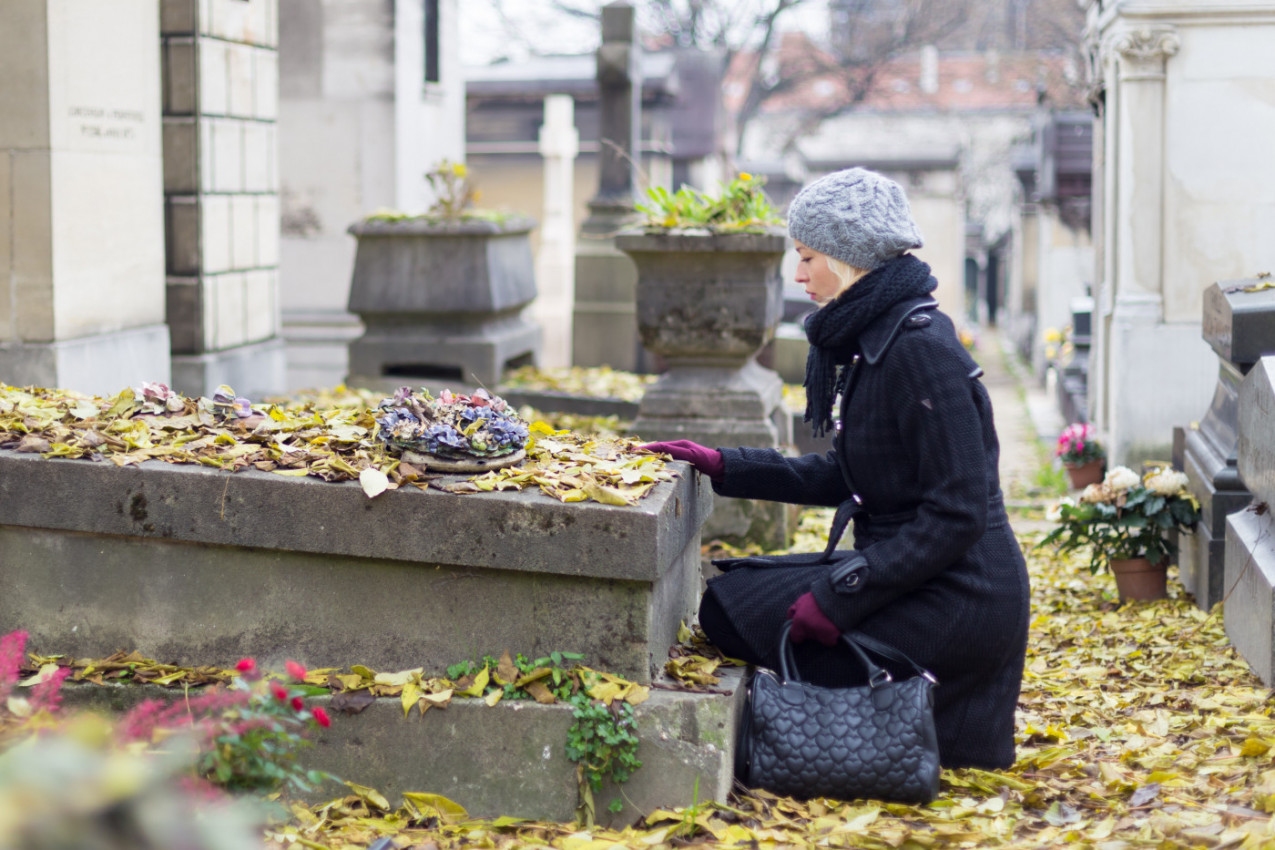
(195, 566)
(203, 567)
(604, 330)
(1073, 379)
(1240, 327)
(1249, 557)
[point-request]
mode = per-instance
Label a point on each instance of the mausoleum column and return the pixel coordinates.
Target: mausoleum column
(1132, 305)
(1140, 56)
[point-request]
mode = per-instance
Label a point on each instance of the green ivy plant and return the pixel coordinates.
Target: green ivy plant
(741, 206)
(602, 740)
(603, 743)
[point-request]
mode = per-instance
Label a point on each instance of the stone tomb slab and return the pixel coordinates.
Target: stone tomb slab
(190, 565)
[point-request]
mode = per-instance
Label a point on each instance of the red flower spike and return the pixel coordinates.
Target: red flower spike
(295, 670)
(322, 717)
(246, 665)
(279, 691)
(297, 703)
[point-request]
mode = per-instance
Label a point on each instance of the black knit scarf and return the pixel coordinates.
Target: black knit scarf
(833, 330)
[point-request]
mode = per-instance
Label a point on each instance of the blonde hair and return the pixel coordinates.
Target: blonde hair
(845, 273)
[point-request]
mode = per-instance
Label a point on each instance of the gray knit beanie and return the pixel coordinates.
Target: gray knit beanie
(857, 216)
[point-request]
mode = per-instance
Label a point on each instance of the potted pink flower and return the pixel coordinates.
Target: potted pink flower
(1081, 453)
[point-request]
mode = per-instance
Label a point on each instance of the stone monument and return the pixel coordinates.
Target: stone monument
(1168, 79)
(1239, 324)
(605, 330)
(81, 196)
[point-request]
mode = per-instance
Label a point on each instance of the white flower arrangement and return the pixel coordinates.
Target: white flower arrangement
(1126, 516)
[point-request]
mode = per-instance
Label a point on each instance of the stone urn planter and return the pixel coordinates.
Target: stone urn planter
(706, 304)
(441, 301)
(1139, 579)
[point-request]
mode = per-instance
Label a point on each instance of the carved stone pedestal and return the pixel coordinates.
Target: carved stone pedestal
(442, 301)
(706, 304)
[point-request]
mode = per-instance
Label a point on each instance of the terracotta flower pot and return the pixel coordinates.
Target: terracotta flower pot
(1084, 474)
(1139, 579)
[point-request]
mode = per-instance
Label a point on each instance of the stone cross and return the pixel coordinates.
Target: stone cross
(605, 327)
(620, 104)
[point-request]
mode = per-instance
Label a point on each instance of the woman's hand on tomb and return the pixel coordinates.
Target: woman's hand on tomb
(706, 460)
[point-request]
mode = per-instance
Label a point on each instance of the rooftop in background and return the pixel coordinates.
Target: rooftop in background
(572, 74)
(957, 82)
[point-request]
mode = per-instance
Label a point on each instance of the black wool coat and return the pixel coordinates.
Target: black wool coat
(946, 581)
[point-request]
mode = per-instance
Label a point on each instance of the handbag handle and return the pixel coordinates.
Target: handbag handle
(857, 641)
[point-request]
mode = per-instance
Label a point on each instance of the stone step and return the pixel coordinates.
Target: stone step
(507, 759)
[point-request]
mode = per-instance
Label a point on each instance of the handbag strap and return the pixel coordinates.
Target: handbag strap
(858, 642)
(886, 651)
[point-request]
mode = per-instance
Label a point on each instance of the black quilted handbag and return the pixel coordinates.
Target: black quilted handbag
(876, 741)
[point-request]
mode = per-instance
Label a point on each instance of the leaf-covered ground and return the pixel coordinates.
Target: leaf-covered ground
(1139, 726)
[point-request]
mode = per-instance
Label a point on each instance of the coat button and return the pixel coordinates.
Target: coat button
(920, 320)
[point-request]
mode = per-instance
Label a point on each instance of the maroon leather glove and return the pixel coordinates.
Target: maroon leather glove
(809, 622)
(706, 460)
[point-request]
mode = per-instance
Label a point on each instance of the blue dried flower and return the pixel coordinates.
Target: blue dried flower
(508, 432)
(397, 424)
(444, 436)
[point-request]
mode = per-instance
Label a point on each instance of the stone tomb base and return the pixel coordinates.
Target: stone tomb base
(466, 352)
(102, 364)
(195, 566)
